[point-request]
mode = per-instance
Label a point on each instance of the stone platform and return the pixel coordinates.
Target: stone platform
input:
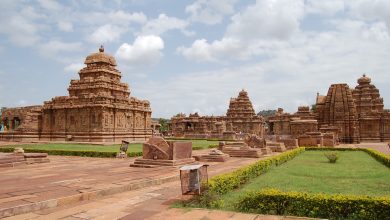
(212, 158)
(12, 159)
(69, 180)
(239, 152)
(149, 163)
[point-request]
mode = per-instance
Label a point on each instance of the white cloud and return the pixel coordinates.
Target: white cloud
(268, 19)
(65, 26)
(210, 11)
(54, 47)
(328, 7)
(50, 5)
(73, 67)
(144, 50)
(251, 32)
(162, 24)
(120, 16)
(106, 33)
(369, 10)
(20, 31)
(201, 50)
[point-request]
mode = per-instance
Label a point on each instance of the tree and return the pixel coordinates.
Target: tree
(266, 113)
(164, 124)
(314, 107)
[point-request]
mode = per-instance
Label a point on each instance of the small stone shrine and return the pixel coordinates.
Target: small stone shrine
(159, 152)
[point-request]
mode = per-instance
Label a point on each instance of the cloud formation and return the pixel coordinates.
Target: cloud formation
(210, 12)
(145, 50)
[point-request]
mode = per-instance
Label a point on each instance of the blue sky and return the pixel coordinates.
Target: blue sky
(187, 56)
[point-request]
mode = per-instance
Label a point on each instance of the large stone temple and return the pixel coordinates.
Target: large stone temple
(353, 115)
(99, 108)
(240, 119)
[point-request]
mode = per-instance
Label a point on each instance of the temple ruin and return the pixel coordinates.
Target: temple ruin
(240, 119)
(99, 108)
(344, 115)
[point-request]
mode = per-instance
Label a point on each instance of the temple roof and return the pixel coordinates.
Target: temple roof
(364, 80)
(100, 57)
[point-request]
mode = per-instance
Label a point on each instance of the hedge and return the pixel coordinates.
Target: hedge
(271, 201)
(73, 153)
(226, 182)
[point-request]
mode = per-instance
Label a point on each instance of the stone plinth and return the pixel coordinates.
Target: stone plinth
(240, 149)
(311, 139)
(36, 158)
(329, 140)
(158, 152)
(20, 158)
(276, 146)
(213, 156)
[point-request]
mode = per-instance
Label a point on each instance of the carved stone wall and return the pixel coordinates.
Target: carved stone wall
(98, 109)
(339, 109)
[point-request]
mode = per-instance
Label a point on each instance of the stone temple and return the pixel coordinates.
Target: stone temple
(99, 108)
(240, 118)
(352, 115)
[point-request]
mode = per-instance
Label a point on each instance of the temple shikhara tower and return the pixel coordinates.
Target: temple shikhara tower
(99, 108)
(240, 119)
(350, 115)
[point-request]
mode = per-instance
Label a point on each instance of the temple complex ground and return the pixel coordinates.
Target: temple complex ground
(66, 180)
(133, 147)
(101, 188)
(354, 173)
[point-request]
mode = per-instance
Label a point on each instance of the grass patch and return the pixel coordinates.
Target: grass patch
(136, 147)
(79, 147)
(355, 173)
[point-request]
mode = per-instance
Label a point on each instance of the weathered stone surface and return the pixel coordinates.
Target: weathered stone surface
(158, 152)
(240, 119)
(98, 109)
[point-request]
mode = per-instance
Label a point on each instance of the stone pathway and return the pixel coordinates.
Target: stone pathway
(67, 180)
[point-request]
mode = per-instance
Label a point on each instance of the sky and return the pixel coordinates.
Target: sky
(193, 56)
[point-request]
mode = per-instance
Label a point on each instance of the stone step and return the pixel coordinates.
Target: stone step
(147, 162)
(11, 159)
(12, 164)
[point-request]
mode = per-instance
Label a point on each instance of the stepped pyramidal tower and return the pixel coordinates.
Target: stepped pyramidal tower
(99, 108)
(240, 119)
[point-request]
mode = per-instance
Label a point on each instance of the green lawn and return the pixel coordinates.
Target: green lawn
(354, 173)
(102, 148)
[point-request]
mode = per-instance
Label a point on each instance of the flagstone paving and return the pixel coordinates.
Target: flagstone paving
(65, 178)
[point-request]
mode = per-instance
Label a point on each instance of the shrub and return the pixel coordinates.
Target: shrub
(271, 201)
(332, 157)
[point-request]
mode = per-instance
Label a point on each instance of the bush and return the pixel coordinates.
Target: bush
(332, 157)
(271, 201)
